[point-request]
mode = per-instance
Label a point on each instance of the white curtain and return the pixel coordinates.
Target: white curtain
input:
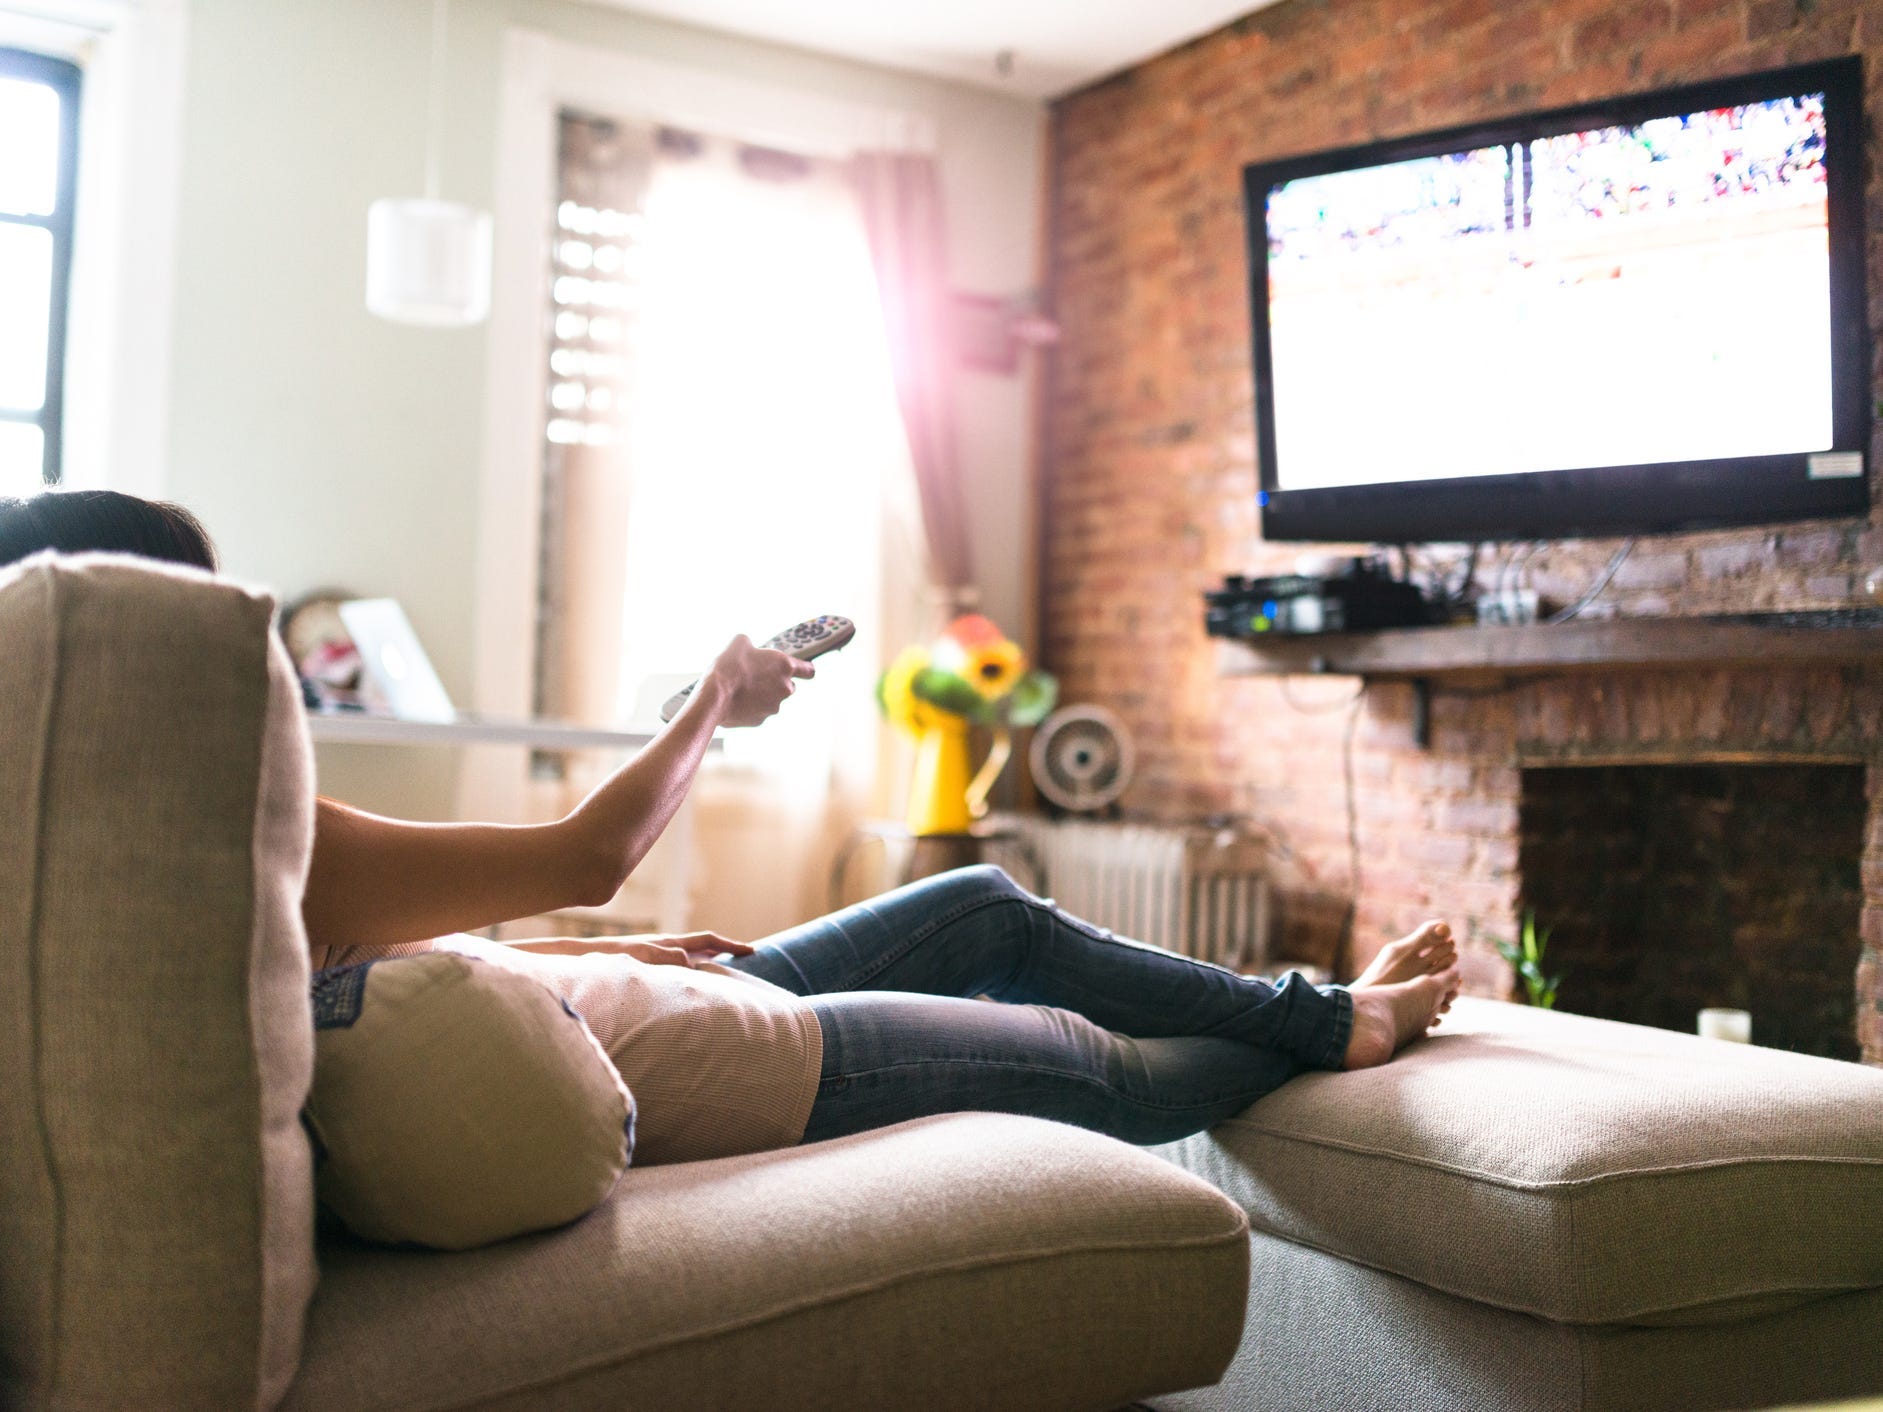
(767, 482)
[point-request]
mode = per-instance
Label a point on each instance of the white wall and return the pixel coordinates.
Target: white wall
(322, 446)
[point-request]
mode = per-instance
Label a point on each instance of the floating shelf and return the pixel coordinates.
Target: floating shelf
(1606, 645)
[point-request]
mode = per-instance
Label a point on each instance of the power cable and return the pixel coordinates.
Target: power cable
(1595, 588)
(1318, 708)
(1343, 945)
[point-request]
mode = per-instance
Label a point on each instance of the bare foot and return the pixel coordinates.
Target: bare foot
(1426, 951)
(1386, 1018)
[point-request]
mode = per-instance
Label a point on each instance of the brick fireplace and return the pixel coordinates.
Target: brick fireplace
(1444, 829)
(1671, 888)
(1148, 497)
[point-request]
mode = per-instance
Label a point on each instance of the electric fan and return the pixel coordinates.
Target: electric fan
(1082, 758)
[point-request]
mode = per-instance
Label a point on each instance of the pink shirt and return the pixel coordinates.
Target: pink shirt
(720, 1063)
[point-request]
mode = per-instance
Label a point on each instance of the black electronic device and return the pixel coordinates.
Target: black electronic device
(1634, 316)
(1361, 598)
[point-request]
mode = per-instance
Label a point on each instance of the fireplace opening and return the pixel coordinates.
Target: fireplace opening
(1670, 889)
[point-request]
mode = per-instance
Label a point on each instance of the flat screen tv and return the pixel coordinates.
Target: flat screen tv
(1631, 317)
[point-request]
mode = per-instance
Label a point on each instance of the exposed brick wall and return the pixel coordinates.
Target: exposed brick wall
(1150, 495)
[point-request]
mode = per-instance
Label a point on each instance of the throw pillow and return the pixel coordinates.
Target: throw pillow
(456, 1103)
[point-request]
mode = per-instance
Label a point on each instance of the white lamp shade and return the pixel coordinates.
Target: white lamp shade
(427, 262)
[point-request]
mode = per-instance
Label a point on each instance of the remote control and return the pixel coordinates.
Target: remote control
(811, 638)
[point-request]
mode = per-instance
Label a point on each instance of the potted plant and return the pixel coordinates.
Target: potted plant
(1526, 957)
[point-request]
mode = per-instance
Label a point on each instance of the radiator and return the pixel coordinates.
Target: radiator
(1199, 891)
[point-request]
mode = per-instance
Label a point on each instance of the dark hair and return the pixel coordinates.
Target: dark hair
(73, 521)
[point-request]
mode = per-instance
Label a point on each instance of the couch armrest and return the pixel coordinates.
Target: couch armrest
(156, 817)
(965, 1260)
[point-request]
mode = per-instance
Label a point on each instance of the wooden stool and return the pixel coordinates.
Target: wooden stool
(907, 857)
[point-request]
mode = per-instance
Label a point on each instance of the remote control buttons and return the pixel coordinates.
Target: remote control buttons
(811, 638)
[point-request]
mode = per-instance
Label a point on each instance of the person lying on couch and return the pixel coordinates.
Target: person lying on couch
(856, 1020)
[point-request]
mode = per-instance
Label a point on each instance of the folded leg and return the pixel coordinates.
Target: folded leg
(976, 932)
(892, 1056)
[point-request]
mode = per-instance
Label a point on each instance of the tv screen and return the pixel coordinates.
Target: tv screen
(1638, 316)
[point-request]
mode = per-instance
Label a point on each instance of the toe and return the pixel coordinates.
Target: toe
(1431, 942)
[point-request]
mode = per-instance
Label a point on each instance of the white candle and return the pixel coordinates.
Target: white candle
(1734, 1025)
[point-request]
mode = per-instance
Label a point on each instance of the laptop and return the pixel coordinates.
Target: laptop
(393, 666)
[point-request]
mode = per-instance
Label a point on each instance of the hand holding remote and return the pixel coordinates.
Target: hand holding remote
(758, 679)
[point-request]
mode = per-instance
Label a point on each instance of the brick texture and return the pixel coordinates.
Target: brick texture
(1149, 498)
(1701, 863)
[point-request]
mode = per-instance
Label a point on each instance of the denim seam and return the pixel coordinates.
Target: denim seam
(1335, 1056)
(1040, 907)
(1082, 1078)
(1111, 938)
(804, 981)
(891, 955)
(923, 933)
(1221, 1029)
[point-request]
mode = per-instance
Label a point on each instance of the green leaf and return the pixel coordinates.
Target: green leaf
(948, 692)
(1525, 956)
(1032, 699)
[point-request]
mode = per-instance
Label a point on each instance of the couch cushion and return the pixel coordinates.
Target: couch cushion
(156, 814)
(456, 1103)
(1578, 1169)
(1326, 1333)
(970, 1260)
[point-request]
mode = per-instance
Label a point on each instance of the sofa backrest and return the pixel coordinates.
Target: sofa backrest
(156, 818)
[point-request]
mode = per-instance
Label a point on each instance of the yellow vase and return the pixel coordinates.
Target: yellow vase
(938, 796)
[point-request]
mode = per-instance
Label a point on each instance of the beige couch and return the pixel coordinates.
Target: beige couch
(1548, 1213)
(156, 1205)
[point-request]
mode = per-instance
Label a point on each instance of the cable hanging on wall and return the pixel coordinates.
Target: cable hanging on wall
(1595, 589)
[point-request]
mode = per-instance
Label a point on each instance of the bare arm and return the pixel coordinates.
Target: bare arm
(378, 881)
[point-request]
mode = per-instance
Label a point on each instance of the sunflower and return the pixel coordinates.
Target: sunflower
(973, 673)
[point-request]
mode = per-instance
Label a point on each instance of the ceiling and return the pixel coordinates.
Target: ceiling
(1054, 46)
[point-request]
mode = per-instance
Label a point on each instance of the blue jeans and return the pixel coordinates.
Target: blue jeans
(1105, 1033)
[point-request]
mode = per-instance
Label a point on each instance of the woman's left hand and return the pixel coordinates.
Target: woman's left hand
(703, 946)
(681, 948)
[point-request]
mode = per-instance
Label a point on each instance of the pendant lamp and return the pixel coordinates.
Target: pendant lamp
(428, 260)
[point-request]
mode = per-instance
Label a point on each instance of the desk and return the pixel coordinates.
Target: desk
(367, 728)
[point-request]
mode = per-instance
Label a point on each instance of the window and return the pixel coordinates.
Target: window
(722, 453)
(721, 427)
(38, 171)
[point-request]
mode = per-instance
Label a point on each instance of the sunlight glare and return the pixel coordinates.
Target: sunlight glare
(29, 157)
(764, 420)
(22, 448)
(25, 308)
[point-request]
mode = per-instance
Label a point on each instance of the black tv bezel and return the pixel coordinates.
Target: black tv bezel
(1663, 497)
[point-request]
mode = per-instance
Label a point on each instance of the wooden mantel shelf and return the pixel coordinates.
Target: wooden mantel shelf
(1605, 645)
